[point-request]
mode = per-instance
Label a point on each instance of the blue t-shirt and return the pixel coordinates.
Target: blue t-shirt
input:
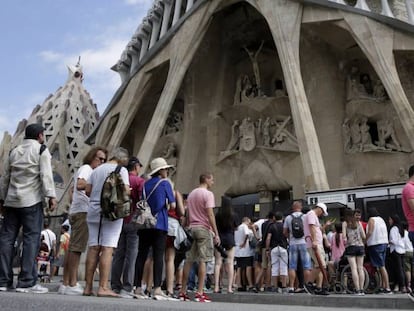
(162, 195)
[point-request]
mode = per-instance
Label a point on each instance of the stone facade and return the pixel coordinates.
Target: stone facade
(69, 116)
(272, 96)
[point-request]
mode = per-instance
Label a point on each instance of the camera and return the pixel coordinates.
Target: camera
(221, 250)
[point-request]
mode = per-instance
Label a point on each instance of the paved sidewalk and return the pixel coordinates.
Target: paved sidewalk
(375, 301)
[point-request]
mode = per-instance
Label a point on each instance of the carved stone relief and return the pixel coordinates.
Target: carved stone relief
(370, 123)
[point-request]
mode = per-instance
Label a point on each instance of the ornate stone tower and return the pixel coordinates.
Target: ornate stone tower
(69, 115)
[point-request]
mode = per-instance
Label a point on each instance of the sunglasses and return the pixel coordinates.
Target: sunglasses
(103, 160)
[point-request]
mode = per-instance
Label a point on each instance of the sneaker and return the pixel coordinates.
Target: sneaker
(361, 292)
(160, 296)
(309, 288)
(139, 294)
(125, 294)
(172, 297)
(411, 296)
(61, 289)
(183, 297)
(36, 289)
(3, 288)
(291, 290)
(387, 291)
(202, 297)
(321, 292)
(76, 290)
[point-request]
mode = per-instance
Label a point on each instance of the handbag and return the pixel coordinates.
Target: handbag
(186, 244)
(143, 217)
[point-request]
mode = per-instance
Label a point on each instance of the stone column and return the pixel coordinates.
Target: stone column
(123, 66)
(134, 47)
(166, 17)
(181, 57)
(190, 3)
(386, 9)
(410, 11)
(177, 11)
(155, 17)
(144, 35)
(376, 41)
(284, 19)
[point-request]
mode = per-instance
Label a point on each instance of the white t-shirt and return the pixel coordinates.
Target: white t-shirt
(239, 238)
(258, 225)
(49, 237)
(80, 201)
(288, 224)
(97, 180)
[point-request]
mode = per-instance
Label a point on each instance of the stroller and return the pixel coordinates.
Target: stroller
(43, 264)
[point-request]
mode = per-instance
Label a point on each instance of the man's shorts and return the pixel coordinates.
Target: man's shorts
(377, 255)
(79, 234)
(321, 256)
(265, 261)
(202, 248)
(279, 257)
(408, 261)
(244, 262)
(299, 250)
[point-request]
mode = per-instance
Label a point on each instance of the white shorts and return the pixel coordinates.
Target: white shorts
(279, 257)
(108, 233)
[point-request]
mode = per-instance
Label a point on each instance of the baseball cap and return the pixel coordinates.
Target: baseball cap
(324, 208)
(132, 162)
(33, 130)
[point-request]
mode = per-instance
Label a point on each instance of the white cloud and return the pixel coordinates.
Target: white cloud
(139, 2)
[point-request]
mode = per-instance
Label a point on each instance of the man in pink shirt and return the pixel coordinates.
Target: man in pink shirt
(202, 222)
(408, 208)
(314, 245)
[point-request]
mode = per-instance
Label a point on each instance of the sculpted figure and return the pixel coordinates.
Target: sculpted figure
(346, 134)
(379, 90)
(235, 136)
(253, 58)
(366, 140)
(355, 134)
(352, 82)
(266, 132)
(386, 135)
(247, 135)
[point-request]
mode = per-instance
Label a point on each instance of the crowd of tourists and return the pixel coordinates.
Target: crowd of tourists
(288, 253)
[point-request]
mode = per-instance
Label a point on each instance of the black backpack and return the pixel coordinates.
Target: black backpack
(297, 226)
(115, 202)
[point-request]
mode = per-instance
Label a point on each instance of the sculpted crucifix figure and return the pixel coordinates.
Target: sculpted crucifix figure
(253, 58)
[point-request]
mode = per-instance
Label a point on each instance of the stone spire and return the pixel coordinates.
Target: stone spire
(68, 115)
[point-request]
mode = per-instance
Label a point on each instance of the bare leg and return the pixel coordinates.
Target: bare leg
(169, 268)
(201, 276)
(105, 263)
(90, 267)
(217, 269)
(230, 269)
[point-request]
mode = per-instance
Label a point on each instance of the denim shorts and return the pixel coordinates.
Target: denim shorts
(377, 254)
(354, 250)
(296, 250)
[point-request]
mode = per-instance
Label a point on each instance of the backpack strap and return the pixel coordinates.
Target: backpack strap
(42, 148)
(145, 197)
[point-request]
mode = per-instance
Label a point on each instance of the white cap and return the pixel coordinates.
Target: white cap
(324, 208)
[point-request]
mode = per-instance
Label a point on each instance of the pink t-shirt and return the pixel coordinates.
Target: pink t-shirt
(337, 250)
(311, 219)
(198, 201)
(408, 193)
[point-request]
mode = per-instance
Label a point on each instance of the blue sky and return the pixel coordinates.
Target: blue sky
(40, 38)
